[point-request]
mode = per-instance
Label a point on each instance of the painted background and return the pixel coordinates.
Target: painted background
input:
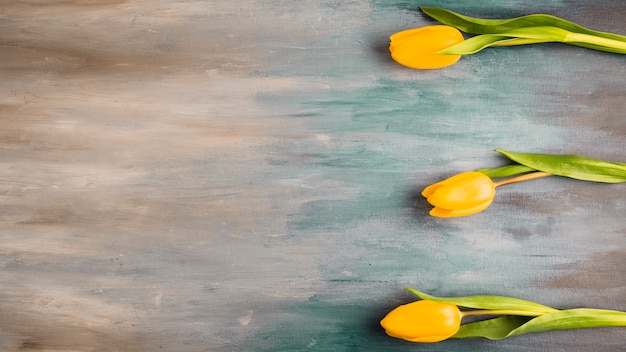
(245, 175)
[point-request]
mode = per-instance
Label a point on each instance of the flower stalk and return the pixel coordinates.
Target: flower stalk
(522, 178)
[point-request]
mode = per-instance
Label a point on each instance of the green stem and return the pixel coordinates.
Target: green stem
(595, 40)
(521, 178)
(473, 313)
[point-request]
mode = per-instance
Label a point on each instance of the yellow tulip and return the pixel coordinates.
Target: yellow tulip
(417, 48)
(423, 321)
(460, 195)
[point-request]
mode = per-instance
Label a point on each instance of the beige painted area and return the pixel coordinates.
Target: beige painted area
(130, 150)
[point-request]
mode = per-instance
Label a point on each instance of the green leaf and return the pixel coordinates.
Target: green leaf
(480, 42)
(474, 45)
(493, 329)
(528, 34)
(507, 326)
(506, 171)
(599, 47)
(538, 28)
(494, 26)
(572, 319)
(531, 35)
(597, 43)
(488, 302)
(574, 166)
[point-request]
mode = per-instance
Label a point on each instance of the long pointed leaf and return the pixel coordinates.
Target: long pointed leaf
(600, 48)
(590, 41)
(506, 171)
(494, 26)
(572, 319)
(474, 44)
(531, 35)
(574, 166)
(488, 302)
(546, 33)
(507, 326)
(493, 329)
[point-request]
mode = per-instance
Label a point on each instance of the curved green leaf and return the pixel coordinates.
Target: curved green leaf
(546, 33)
(599, 47)
(493, 329)
(480, 42)
(572, 319)
(594, 42)
(474, 44)
(488, 302)
(494, 26)
(574, 166)
(507, 326)
(506, 171)
(535, 28)
(531, 35)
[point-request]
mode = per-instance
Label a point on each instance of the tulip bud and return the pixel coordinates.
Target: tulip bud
(419, 47)
(463, 194)
(423, 321)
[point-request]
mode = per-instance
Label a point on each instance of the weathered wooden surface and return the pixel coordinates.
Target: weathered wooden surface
(242, 175)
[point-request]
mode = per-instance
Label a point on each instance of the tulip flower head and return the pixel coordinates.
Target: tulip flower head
(460, 195)
(423, 321)
(419, 47)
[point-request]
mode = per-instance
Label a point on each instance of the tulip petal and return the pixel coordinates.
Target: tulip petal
(423, 321)
(396, 38)
(428, 191)
(453, 213)
(461, 191)
(419, 47)
(461, 197)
